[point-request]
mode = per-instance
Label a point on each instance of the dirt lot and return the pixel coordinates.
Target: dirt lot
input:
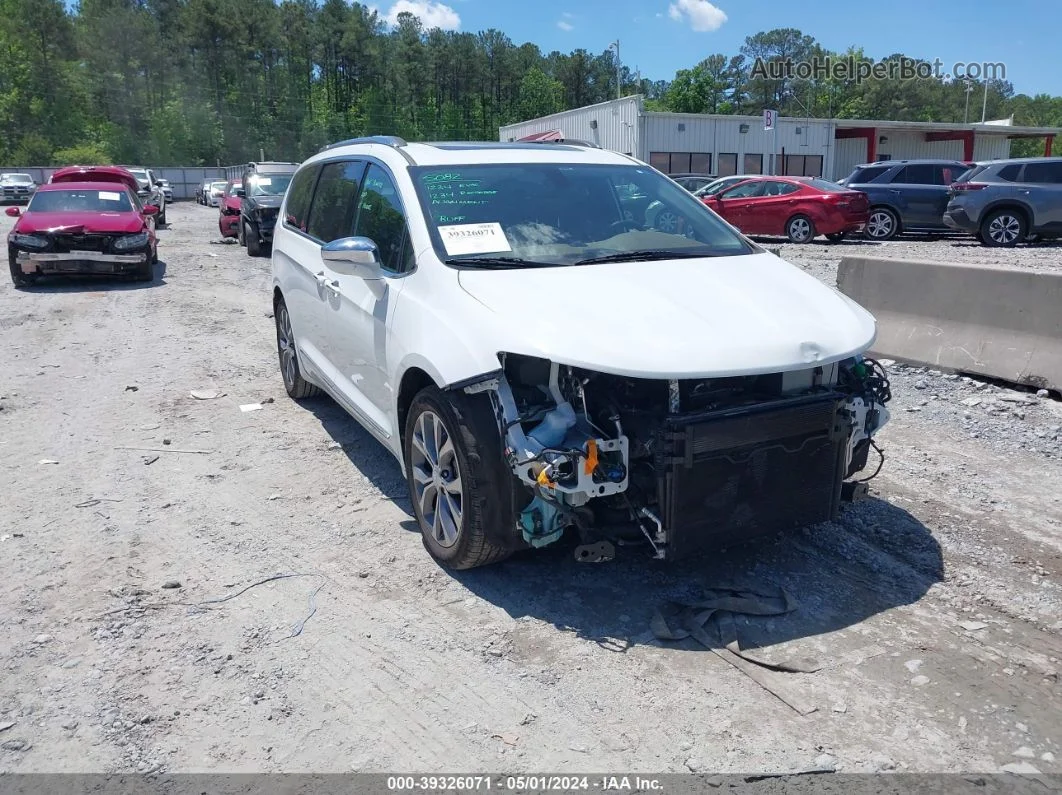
(934, 608)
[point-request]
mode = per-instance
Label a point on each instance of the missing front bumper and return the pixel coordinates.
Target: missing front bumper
(731, 476)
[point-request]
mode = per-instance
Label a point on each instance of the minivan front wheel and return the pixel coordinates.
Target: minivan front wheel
(296, 386)
(1003, 228)
(456, 478)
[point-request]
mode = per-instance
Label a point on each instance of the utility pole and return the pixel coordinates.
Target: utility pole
(984, 102)
(619, 83)
(969, 89)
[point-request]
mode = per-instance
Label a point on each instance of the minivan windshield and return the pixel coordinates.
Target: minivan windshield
(533, 214)
(73, 201)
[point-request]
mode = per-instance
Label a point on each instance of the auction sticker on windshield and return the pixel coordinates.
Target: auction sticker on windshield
(464, 239)
(264, 180)
(110, 196)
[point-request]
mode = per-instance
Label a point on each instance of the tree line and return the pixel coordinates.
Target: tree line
(206, 82)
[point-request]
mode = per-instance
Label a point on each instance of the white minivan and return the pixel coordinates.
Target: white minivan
(507, 320)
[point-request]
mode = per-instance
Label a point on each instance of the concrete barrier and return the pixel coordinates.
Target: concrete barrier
(999, 322)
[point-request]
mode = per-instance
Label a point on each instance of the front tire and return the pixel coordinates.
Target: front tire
(800, 229)
(1003, 229)
(145, 271)
(18, 278)
(458, 482)
(298, 388)
(251, 239)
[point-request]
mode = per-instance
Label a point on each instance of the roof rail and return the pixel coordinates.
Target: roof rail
(569, 141)
(385, 140)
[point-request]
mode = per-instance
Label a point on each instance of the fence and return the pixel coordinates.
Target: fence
(183, 179)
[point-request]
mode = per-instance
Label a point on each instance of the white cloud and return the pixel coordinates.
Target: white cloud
(701, 15)
(565, 25)
(431, 15)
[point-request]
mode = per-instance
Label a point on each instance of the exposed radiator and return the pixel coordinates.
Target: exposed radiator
(732, 475)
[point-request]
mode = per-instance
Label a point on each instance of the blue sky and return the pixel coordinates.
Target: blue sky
(662, 36)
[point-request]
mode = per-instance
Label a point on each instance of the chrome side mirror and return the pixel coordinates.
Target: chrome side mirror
(353, 256)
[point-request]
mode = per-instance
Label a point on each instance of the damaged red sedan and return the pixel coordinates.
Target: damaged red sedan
(798, 207)
(229, 209)
(96, 227)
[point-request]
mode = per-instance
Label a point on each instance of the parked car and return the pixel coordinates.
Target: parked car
(1005, 202)
(657, 217)
(167, 190)
(202, 192)
(693, 182)
(150, 192)
(798, 207)
(708, 392)
(263, 190)
(17, 187)
(229, 209)
(70, 226)
(721, 184)
(905, 195)
(110, 174)
(216, 192)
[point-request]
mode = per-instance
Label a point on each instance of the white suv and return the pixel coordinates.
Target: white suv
(539, 358)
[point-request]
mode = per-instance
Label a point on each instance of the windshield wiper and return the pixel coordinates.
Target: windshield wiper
(644, 256)
(497, 263)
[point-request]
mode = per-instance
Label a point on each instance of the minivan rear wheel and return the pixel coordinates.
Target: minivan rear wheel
(457, 480)
(1003, 228)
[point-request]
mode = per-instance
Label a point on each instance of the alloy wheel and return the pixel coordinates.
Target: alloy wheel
(667, 221)
(879, 224)
(437, 479)
(1004, 229)
(799, 229)
(286, 346)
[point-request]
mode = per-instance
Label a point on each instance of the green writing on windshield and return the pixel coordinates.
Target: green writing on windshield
(458, 192)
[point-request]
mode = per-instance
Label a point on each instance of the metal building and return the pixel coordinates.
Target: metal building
(718, 144)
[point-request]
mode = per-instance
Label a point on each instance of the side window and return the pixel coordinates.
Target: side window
(299, 194)
(948, 174)
(332, 210)
(1049, 172)
(1009, 173)
(381, 219)
(923, 174)
(745, 190)
(900, 177)
(779, 188)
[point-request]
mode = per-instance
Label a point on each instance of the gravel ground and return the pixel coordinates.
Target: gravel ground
(933, 608)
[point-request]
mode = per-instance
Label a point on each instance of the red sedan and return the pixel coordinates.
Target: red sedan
(798, 207)
(229, 209)
(82, 227)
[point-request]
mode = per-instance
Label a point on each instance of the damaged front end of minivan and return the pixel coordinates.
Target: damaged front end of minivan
(685, 464)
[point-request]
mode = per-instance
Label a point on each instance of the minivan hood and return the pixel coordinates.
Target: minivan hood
(689, 318)
(80, 222)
